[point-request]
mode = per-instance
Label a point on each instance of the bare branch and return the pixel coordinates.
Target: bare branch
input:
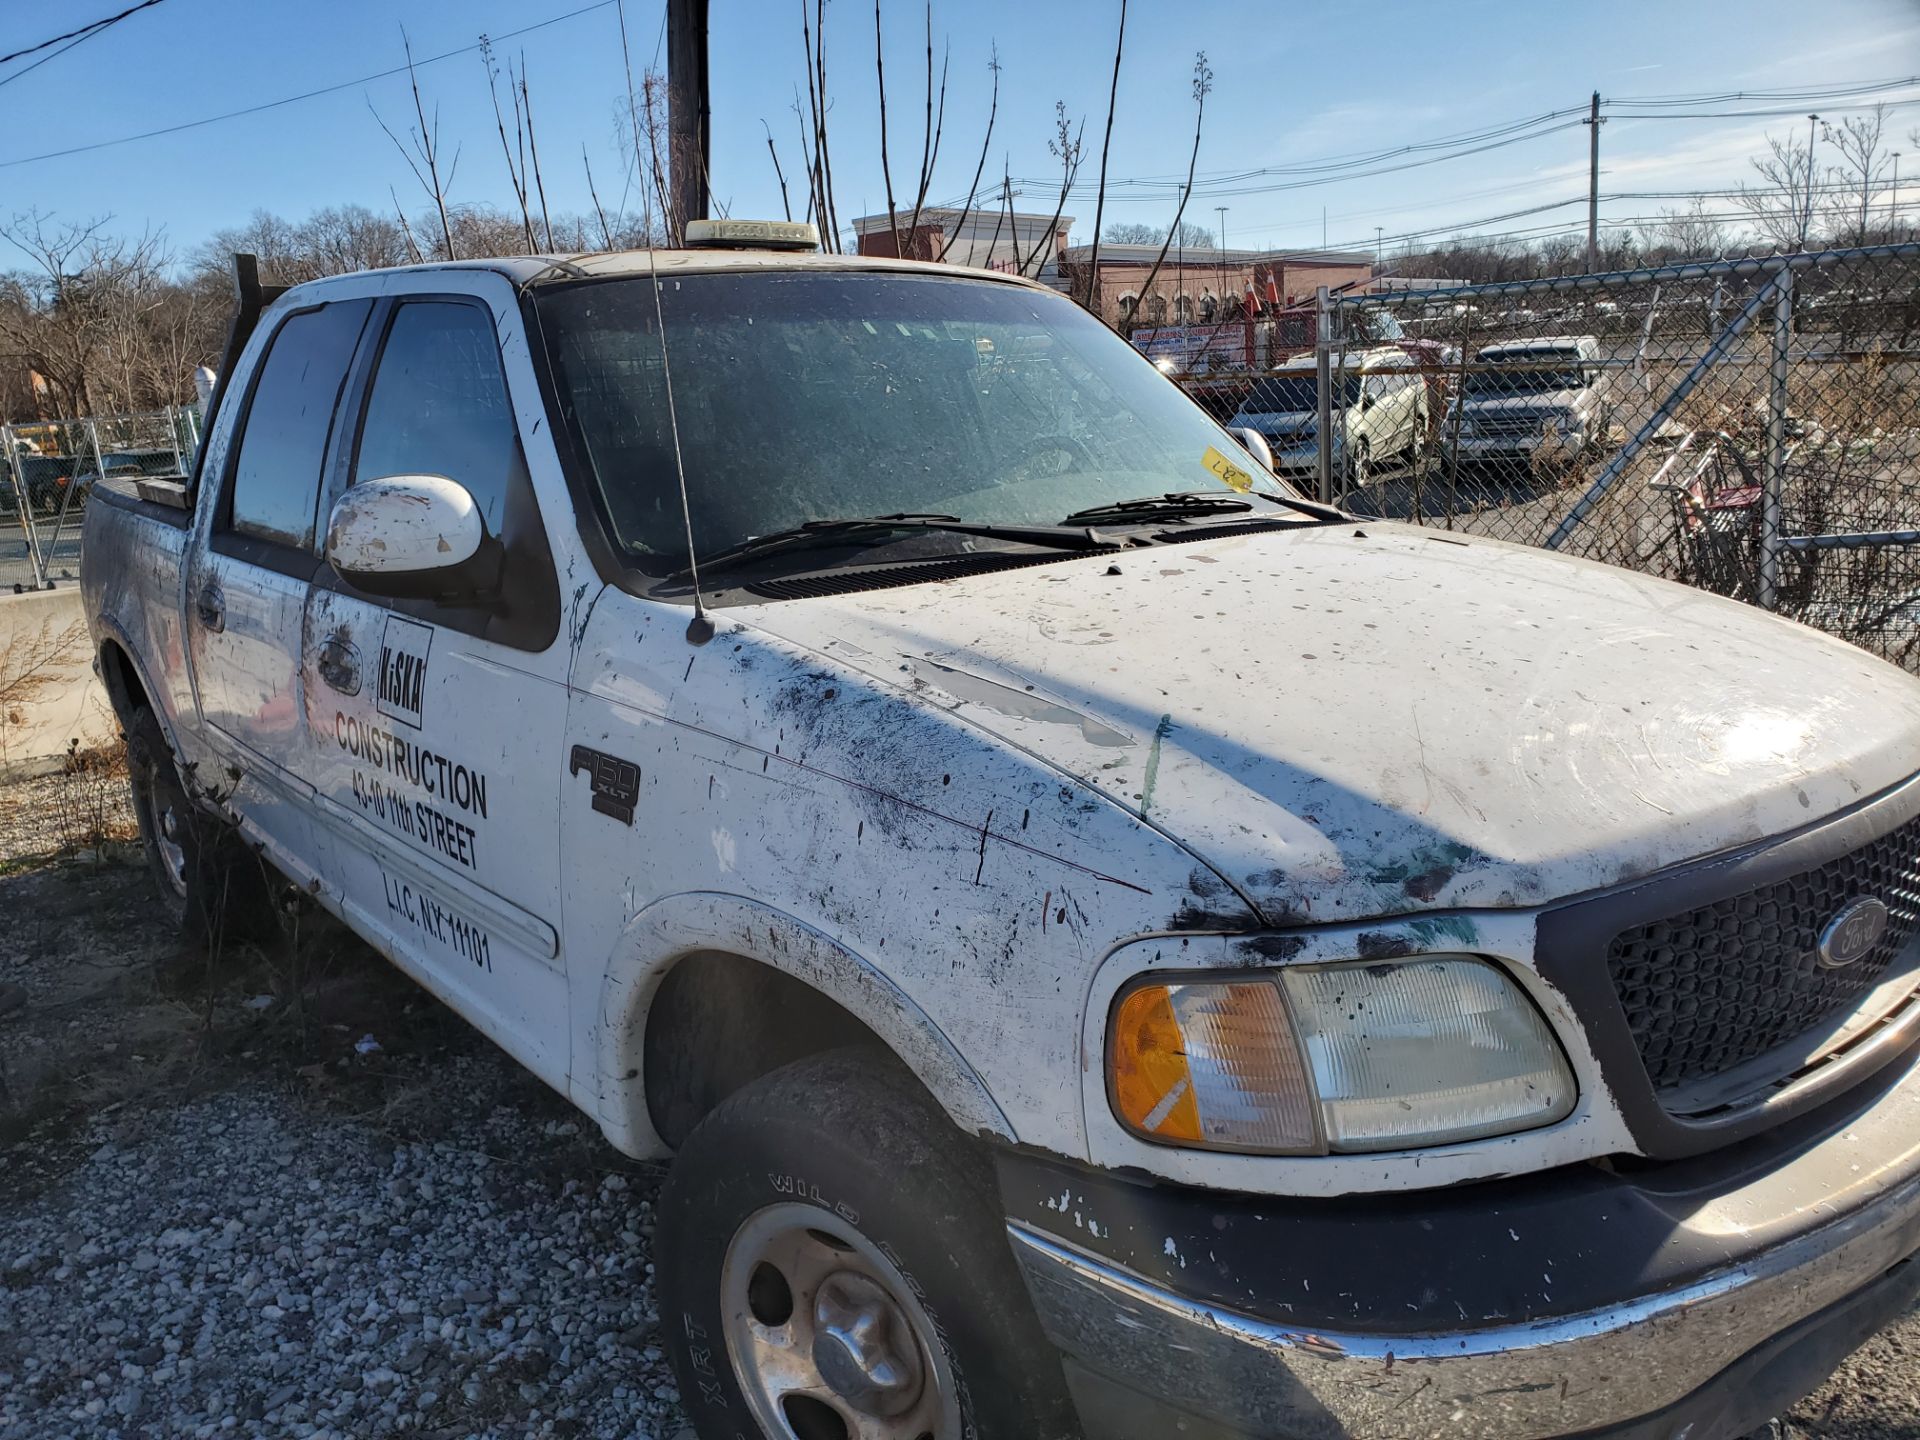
(785, 204)
(993, 110)
(1100, 204)
(1202, 87)
(886, 170)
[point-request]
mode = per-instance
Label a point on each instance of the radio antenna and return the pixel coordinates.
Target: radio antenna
(700, 628)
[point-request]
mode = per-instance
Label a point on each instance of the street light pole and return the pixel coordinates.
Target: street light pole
(1893, 205)
(1378, 231)
(1221, 211)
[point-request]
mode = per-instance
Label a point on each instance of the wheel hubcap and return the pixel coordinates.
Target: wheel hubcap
(827, 1339)
(856, 1335)
(167, 830)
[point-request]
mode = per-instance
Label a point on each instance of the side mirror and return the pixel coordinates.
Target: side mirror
(1256, 444)
(413, 537)
(1367, 397)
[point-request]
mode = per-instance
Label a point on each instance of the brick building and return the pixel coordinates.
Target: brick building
(989, 239)
(1199, 286)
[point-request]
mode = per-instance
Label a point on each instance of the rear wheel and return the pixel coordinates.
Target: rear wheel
(834, 1266)
(208, 881)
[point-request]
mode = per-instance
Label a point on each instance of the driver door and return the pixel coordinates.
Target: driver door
(436, 728)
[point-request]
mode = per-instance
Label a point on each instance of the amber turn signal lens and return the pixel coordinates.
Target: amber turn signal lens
(1213, 1064)
(1152, 1083)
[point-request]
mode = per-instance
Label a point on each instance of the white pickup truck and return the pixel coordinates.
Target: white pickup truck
(1116, 949)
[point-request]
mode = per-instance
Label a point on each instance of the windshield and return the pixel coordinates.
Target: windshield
(1525, 378)
(803, 395)
(1297, 395)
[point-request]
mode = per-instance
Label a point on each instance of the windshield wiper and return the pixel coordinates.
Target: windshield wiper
(829, 531)
(1163, 507)
(1180, 505)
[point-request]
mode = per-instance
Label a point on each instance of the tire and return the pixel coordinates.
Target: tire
(1359, 464)
(208, 881)
(829, 1199)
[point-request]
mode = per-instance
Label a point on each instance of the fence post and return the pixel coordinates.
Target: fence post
(173, 437)
(1768, 581)
(1323, 384)
(23, 497)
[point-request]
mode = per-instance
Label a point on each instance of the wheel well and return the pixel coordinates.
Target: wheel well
(721, 1021)
(122, 680)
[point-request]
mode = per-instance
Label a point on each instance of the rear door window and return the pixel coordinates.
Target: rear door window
(283, 440)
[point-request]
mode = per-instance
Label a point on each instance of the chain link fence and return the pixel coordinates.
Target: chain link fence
(48, 468)
(1748, 426)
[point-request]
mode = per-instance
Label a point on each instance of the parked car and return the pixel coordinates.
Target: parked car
(1307, 979)
(1523, 398)
(1378, 413)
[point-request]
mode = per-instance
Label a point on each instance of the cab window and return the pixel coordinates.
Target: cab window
(438, 404)
(283, 439)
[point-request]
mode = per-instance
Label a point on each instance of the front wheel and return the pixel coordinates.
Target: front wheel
(833, 1265)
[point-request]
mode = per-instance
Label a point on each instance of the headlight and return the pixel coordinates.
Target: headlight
(1349, 1057)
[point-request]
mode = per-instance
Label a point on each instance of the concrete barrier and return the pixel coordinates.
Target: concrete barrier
(49, 694)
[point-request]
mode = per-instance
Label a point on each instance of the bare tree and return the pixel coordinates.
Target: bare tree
(886, 170)
(1106, 144)
(515, 153)
(1781, 207)
(1202, 87)
(95, 316)
(1066, 147)
(930, 136)
(423, 158)
(1694, 233)
(533, 151)
(1864, 162)
(606, 232)
(786, 205)
(993, 110)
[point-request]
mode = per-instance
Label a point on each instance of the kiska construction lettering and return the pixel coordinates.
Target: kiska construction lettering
(432, 772)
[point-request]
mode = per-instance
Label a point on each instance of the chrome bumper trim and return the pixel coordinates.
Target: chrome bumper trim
(1512, 1382)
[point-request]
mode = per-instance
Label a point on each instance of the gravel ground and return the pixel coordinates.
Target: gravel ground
(222, 1212)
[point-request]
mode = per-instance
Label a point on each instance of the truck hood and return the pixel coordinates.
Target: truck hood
(1364, 720)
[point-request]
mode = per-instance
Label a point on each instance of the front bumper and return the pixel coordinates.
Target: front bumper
(1694, 1298)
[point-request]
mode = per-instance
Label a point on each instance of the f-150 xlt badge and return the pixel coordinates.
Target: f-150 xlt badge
(616, 782)
(1850, 936)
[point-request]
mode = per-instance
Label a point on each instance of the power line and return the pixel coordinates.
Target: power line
(72, 38)
(295, 99)
(82, 33)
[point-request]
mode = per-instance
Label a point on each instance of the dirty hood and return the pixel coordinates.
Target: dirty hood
(1347, 722)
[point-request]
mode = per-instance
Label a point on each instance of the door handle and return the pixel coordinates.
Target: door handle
(339, 665)
(211, 606)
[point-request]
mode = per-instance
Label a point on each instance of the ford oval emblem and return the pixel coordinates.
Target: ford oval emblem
(1850, 936)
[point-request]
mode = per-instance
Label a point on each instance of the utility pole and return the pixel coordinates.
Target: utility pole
(1221, 211)
(1593, 122)
(1806, 215)
(689, 118)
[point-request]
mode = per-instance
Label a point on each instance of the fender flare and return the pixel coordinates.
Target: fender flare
(655, 939)
(109, 631)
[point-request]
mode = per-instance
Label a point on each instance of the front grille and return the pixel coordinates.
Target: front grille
(1716, 987)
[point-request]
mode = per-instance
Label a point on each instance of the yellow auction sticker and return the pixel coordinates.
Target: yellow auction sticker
(1230, 474)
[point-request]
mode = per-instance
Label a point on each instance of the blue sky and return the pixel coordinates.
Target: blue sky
(1293, 85)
